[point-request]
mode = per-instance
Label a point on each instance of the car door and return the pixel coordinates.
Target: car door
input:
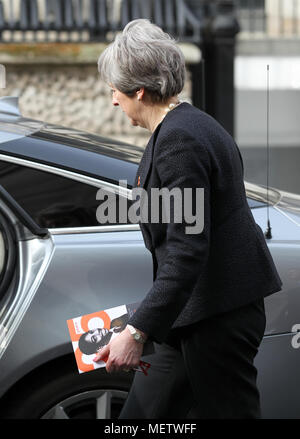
(25, 251)
(92, 267)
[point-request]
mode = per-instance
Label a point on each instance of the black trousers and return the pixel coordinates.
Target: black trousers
(203, 371)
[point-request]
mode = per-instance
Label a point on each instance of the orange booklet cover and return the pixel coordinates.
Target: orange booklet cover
(92, 331)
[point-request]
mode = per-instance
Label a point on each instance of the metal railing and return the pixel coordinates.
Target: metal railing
(98, 20)
(269, 18)
(91, 20)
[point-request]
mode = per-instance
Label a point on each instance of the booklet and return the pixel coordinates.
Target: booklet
(92, 331)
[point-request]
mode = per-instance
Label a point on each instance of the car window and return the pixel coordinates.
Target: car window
(54, 201)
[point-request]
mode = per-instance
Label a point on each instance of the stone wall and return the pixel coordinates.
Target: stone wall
(72, 95)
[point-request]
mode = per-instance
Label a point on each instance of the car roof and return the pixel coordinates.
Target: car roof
(75, 150)
(68, 148)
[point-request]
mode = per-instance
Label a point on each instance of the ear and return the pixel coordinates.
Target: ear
(140, 93)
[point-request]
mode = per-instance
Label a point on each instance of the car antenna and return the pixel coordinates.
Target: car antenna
(268, 233)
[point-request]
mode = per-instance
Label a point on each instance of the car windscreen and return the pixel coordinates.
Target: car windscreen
(262, 194)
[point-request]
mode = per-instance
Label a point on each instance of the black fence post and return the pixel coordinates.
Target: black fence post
(218, 51)
(198, 92)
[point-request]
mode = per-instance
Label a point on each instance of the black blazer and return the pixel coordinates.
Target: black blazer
(228, 264)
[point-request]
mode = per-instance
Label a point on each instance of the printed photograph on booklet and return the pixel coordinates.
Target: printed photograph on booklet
(91, 332)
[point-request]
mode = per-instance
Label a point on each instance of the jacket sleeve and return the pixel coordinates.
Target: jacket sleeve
(181, 162)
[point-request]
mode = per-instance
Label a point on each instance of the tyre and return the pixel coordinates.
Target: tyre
(66, 394)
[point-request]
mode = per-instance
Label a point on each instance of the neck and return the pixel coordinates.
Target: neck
(158, 112)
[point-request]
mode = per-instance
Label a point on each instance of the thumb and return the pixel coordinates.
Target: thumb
(103, 354)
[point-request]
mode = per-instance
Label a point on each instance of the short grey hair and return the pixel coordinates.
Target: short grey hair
(143, 55)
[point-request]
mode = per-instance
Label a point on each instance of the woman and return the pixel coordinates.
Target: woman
(205, 310)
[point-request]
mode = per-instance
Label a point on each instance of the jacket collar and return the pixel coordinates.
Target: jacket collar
(145, 163)
(146, 160)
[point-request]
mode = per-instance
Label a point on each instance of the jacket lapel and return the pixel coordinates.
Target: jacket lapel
(145, 163)
(140, 180)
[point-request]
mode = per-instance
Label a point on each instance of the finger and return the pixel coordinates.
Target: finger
(110, 367)
(114, 365)
(102, 355)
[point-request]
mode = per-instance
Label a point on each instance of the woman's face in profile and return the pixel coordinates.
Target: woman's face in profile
(94, 336)
(128, 104)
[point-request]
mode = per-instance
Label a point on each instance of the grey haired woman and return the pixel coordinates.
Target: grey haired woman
(205, 309)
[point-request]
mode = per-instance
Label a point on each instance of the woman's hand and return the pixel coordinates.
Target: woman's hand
(121, 354)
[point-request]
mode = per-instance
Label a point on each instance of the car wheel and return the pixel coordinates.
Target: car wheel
(69, 395)
(91, 404)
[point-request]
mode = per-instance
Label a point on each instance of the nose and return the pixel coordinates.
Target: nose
(115, 102)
